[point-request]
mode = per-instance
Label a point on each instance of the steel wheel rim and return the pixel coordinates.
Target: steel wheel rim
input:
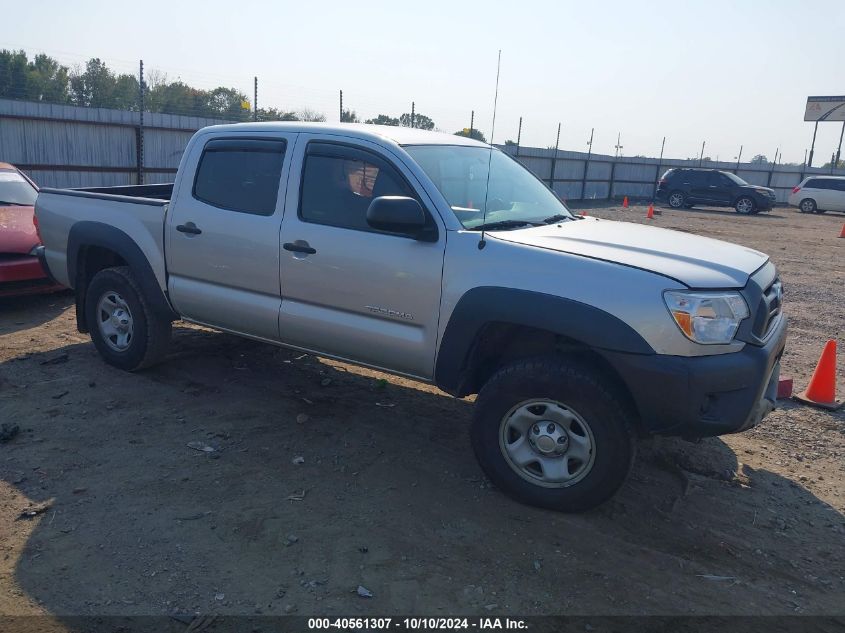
(114, 320)
(547, 443)
(744, 205)
(676, 200)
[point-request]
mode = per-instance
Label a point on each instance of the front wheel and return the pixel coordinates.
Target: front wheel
(554, 433)
(125, 330)
(745, 206)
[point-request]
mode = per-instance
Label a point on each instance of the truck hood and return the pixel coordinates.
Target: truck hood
(17, 232)
(698, 262)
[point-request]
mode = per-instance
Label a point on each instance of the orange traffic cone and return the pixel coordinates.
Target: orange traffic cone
(625, 202)
(650, 214)
(842, 234)
(822, 389)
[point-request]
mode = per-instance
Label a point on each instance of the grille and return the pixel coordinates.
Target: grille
(770, 306)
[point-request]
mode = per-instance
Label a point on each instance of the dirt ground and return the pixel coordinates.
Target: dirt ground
(388, 495)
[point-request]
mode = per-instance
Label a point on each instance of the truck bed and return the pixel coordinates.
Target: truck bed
(138, 211)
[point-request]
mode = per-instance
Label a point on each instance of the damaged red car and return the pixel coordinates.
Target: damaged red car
(20, 271)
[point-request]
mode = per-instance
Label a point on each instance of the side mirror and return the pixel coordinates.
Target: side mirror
(397, 214)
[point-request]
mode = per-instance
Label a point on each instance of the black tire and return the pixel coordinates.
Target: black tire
(820, 211)
(677, 199)
(746, 205)
(807, 205)
(581, 390)
(150, 332)
(688, 206)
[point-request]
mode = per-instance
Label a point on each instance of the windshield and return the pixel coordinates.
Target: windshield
(15, 189)
(735, 178)
(460, 173)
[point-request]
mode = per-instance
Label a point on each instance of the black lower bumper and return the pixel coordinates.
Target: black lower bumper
(703, 396)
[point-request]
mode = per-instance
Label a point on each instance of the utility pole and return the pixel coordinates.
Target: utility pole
(140, 138)
(255, 100)
(839, 149)
(772, 170)
(701, 156)
(341, 106)
(413, 113)
(587, 165)
(805, 158)
(618, 146)
(518, 136)
(659, 165)
(813, 145)
(739, 158)
(554, 159)
(471, 123)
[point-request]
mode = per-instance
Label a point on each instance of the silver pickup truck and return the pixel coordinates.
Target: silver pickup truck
(442, 259)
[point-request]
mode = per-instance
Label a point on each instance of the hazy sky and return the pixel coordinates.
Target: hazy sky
(726, 72)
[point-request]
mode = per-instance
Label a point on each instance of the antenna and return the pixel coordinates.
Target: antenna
(482, 243)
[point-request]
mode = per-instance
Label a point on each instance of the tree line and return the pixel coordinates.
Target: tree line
(95, 85)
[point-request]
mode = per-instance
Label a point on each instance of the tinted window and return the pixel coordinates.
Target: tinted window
(820, 183)
(339, 183)
(696, 177)
(240, 175)
(15, 189)
(839, 185)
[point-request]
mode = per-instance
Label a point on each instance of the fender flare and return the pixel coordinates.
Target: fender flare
(84, 234)
(572, 319)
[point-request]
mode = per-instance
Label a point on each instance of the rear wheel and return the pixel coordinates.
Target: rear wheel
(745, 205)
(677, 199)
(808, 205)
(125, 330)
(554, 433)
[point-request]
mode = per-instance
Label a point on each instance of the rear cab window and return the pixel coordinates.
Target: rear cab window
(240, 175)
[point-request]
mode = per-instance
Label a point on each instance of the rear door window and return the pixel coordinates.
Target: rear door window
(240, 175)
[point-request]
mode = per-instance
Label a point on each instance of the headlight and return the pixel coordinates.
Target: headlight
(710, 318)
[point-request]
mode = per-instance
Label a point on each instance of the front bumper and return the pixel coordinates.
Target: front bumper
(704, 396)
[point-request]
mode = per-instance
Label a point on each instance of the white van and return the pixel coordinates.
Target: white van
(817, 194)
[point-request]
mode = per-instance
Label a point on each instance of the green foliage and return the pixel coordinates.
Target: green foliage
(839, 165)
(759, 159)
(476, 134)
(274, 114)
(42, 79)
(421, 121)
(96, 85)
(383, 119)
(349, 116)
(510, 143)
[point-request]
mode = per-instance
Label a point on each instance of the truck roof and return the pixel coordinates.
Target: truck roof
(399, 135)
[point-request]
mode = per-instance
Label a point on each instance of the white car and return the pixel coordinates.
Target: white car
(817, 194)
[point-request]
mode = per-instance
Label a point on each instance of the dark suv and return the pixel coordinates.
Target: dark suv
(710, 187)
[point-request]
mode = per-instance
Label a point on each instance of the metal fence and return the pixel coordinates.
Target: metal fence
(70, 146)
(583, 176)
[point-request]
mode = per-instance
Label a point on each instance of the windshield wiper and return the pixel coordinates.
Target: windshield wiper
(558, 217)
(504, 224)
